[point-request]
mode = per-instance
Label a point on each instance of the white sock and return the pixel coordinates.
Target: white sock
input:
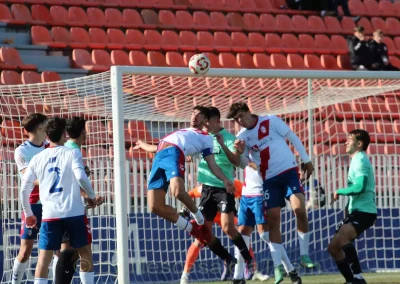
(86, 277)
(240, 265)
(19, 269)
(276, 253)
(198, 216)
(304, 241)
(185, 275)
(55, 260)
(358, 276)
(286, 261)
(183, 224)
(41, 281)
(265, 237)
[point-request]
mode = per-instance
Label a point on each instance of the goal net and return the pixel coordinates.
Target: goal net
(153, 102)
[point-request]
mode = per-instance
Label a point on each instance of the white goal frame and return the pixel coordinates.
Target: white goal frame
(117, 72)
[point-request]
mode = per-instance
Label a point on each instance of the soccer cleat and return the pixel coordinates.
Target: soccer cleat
(294, 277)
(306, 262)
(184, 280)
(250, 267)
(260, 277)
(239, 281)
(278, 272)
(229, 267)
(359, 281)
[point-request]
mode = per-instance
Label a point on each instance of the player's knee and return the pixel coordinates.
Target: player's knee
(264, 236)
(67, 256)
(24, 254)
(332, 248)
(156, 209)
(301, 213)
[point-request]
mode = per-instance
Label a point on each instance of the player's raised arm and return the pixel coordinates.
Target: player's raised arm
(230, 152)
(243, 151)
(27, 186)
(216, 170)
(145, 146)
(80, 175)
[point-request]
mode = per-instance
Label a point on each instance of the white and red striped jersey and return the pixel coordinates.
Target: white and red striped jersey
(266, 145)
(22, 156)
(59, 189)
(191, 141)
(253, 183)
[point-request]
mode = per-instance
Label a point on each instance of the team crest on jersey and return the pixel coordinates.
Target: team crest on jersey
(21, 160)
(255, 148)
(263, 129)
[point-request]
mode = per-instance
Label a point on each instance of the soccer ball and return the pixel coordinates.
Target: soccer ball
(199, 64)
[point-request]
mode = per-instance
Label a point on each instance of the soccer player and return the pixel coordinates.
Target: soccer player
(361, 207)
(61, 175)
(263, 139)
(65, 269)
(34, 126)
(251, 213)
(168, 170)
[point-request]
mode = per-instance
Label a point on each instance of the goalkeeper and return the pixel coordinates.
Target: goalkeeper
(361, 206)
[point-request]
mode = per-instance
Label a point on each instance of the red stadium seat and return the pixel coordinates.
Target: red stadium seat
(205, 41)
(300, 24)
(50, 76)
(153, 39)
(273, 43)
(379, 23)
(150, 17)
(268, 23)
(201, 21)
(329, 62)
(284, 24)
(390, 45)
(30, 77)
(136, 40)
(240, 42)
(188, 41)
(97, 18)
(170, 40)
(114, 17)
(251, 22)
(312, 61)
(77, 17)
(96, 134)
(82, 59)
(99, 36)
(393, 25)
(138, 131)
(245, 60)
(119, 57)
(364, 22)
(6, 16)
(339, 45)
(348, 25)
(138, 58)
(372, 8)
(256, 42)
(214, 61)
(332, 25)
(264, 6)
(357, 8)
(227, 60)
(235, 20)
(61, 34)
(10, 77)
(279, 61)
(307, 44)
(262, 61)
(101, 57)
(323, 44)
(12, 131)
(21, 13)
(10, 60)
(132, 19)
(395, 61)
(116, 36)
(223, 42)
(219, 22)
(59, 13)
(290, 43)
(295, 61)
(167, 19)
(343, 61)
(41, 36)
(81, 36)
(316, 24)
(184, 20)
(174, 59)
(156, 58)
(42, 14)
(387, 8)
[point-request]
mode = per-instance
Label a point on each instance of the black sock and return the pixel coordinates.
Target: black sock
(345, 269)
(241, 245)
(65, 268)
(352, 258)
(217, 248)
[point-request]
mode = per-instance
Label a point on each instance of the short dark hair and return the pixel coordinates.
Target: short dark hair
(363, 136)
(204, 110)
(214, 112)
(75, 126)
(31, 122)
(235, 108)
(359, 29)
(55, 128)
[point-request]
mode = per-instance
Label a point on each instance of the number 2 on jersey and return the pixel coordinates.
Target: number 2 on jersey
(54, 188)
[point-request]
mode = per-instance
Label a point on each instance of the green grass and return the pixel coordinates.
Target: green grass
(393, 278)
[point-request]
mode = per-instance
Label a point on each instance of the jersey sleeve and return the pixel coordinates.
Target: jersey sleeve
(279, 126)
(20, 159)
(230, 143)
(77, 160)
(30, 175)
(362, 168)
(208, 148)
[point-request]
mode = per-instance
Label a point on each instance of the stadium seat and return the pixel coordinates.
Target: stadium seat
(323, 44)
(379, 23)
(132, 19)
(170, 40)
(184, 20)
(202, 21)
(332, 25)
(205, 41)
(338, 149)
(138, 58)
(136, 41)
(156, 58)
(21, 13)
(12, 132)
(59, 13)
(216, 5)
(41, 36)
(377, 107)
(393, 26)
(248, 5)
(219, 22)
(348, 25)
(187, 56)
(268, 23)
(312, 61)
(119, 57)
(316, 24)
(7, 17)
(329, 62)
(117, 37)
(361, 109)
(392, 107)
(227, 60)
(306, 44)
(256, 42)
(174, 59)
(50, 76)
(138, 131)
(214, 61)
(10, 77)
(343, 62)
(300, 24)
(82, 59)
(245, 60)
(339, 45)
(395, 61)
(96, 134)
(167, 19)
(279, 61)
(101, 57)
(364, 22)
(284, 24)
(223, 42)
(235, 20)
(397, 43)
(96, 18)
(10, 60)
(372, 8)
(99, 36)
(273, 43)
(390, 45)
(150, 17)
(188, 41)
(262, 61)
(61, 34)
(357, 7)
(114, 17)
(295, 61)
(30, 77)
(335, 130)
(387, 8)
(42, 14)
(264, 6)
(290, 43)
(240, 42)
(251, 22)
(153, 40)
(77, 17)
(81, 36)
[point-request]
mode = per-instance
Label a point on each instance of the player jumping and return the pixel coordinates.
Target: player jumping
(34, 126)
(263, 139)
(361, 206)
(168, 170)
(61, 175)
(65, 269)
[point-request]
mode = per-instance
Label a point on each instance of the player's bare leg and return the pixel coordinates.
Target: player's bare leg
(42, 267)
(297, 203)
(21, 261)
(191, 257)
(343, 252)
(86, 273)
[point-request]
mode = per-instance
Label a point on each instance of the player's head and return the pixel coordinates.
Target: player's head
(357, 141)
(378, 35)
(76, 128)
(200, 116)
(34, 124)
(55, 130)
(359, 32)
(214, 122)
(240, 112)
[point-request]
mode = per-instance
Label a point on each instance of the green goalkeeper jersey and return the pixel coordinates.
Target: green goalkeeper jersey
(360, 166)
(71, 144)
(205, 175)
